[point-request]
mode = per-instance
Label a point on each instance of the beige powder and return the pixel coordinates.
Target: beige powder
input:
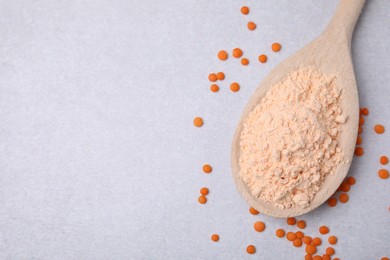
(289, 141)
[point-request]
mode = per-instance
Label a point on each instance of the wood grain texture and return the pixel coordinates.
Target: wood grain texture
(330, 53)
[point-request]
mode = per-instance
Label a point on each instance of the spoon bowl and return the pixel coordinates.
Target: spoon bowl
(331, 54)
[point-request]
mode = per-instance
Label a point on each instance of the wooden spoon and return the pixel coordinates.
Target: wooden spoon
(331, 54)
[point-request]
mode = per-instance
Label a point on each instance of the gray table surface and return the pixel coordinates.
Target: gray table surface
(99, 158)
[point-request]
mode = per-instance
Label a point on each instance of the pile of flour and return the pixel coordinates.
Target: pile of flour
(289, 141)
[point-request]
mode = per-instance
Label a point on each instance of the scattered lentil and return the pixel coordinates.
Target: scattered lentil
(345, 187)
(324, 230)
(251, 249)
(234, 87)
(332, 202)
(215, 237)
(251, 26)
(280, 233)
(359, 140)
(291, 236)
(330, 251)
(308, 257)
(359, 151)
(198, 121)
(384, 160)
(306, 240)
(301, 224)
(207, 168)
(316, 241)
(344, 198)
(361, 120)
(212, 77)
(332, 240)
(263, 58)
(297, 242)
(364, 111)
(379, 129)
(253, 211)
(214, 88)
(220, 76)
(383, 174)
(204, 191)
(222, 55)
(276, 47)
(311, 249)
(245, 10)
(259, 226)
(202, 199)
(291, 221)
(237, 53)
(299, 234)
(351, 180)
(244, 61)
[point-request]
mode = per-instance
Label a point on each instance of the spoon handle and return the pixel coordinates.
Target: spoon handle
(345, 17)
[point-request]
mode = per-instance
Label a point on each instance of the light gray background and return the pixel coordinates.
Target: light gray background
(98, 155)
